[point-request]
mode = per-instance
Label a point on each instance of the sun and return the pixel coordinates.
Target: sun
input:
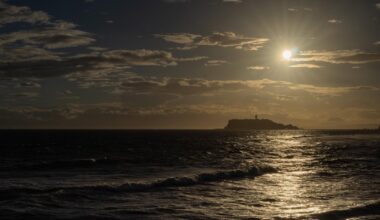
(287, 54)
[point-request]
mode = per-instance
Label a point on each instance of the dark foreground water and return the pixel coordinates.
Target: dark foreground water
(189, 175)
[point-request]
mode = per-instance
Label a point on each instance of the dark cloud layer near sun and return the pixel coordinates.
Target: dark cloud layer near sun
(222, 39)
(188, 63)
(338, 57)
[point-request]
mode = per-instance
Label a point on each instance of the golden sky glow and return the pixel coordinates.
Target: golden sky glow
(124, 65)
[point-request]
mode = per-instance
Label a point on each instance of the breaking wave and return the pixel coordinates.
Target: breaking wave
(185, 181)
(372, 209)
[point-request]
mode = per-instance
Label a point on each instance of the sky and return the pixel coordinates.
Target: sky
(189, 64)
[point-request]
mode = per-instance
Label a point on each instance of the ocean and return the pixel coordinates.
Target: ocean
(189, 174)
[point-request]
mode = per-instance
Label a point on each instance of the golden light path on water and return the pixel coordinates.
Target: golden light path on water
(297, 189)
(289, 181)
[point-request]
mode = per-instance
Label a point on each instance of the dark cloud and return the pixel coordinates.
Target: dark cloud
(61, 35)
(26, 53)
(183, 86)
(296, 9)
(29, 84)
(97, 62)
(334, 21)
(292, 9)
(67, 92)
(230, 39)
(214, 97)
(32, 52)
(232, 1)
(179, 38)
(141, 57)
(337, 57)
(258, 68)
(11, 14)
(215, 62)
(26, 95)
(222, 39)
(176, 1)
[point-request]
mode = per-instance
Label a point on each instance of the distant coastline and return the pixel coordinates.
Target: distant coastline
(257, 124)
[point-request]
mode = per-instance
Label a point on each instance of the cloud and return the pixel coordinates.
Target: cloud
(232, 1)
(215, 62)
(188, 59)
(258, 68)
(179, 38)
(295, 9)
(230, 39)
(35, 43)
(34, 52)
(93, 63)
(222, 39)
(76, 111)
(378, 6)
(145, 98)
(43, 114)
(186, 47)
(200, 115)
(213, 97)
(337, 57)
(67, 92)
(141, 57)
(26, 95)
(183, 86)
(305, 65)
(377, 43)
(176, 1)
(61, 35)
(11, 14)
(29, 84)
(25, 54)
(334, 21)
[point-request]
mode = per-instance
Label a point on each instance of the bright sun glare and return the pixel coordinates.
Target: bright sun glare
(287, 54)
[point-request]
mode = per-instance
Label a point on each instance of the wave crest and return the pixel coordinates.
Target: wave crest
(366, 210)
(202, 178)
(159, 184)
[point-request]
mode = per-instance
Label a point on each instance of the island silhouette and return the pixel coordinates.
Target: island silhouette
(257, 124)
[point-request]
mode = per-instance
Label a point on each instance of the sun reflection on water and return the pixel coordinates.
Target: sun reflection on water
(304, 185)
(286, 188)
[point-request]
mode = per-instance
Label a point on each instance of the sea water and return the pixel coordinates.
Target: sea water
(174, 174)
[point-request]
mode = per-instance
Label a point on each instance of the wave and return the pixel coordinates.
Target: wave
(184, 181)
(366, 210)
